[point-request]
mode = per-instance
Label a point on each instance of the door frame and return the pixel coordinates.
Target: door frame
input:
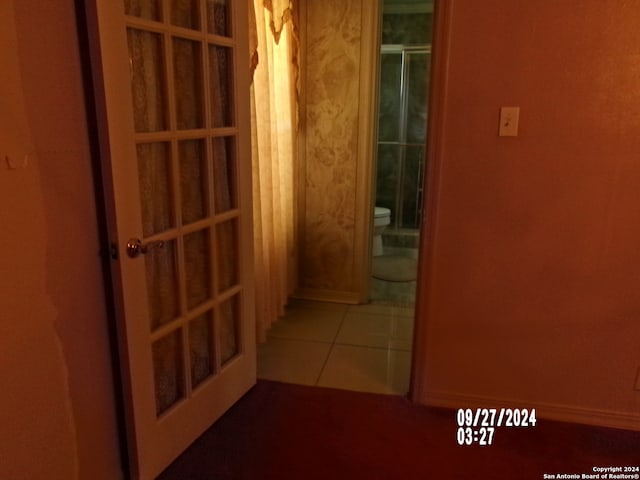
(367, 142)
(431, 179)
(428, 228)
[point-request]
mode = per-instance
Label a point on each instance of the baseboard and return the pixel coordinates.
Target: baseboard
(548, 411)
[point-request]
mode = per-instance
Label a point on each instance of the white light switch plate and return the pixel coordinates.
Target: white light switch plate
(509, 121)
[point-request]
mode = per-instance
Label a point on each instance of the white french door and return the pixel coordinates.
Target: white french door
(172, 93)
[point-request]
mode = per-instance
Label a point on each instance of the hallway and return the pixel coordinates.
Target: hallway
(364, 348)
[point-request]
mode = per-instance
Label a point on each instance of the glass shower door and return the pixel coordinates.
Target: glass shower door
(403, 108)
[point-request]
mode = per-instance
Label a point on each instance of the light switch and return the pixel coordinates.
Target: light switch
(509, 121)
(15, 162)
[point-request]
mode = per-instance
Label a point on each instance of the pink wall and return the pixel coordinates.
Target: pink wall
(531, 290)
(57, 407)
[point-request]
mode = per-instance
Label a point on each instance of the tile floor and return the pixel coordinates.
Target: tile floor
(353, 347)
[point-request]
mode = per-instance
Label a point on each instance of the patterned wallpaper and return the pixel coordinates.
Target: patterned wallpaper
(332, 87)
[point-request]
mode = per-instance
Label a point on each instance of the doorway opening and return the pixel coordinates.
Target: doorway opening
(367, 347)
(403, 85)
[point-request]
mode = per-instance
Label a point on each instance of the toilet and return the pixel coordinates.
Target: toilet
(381, 218)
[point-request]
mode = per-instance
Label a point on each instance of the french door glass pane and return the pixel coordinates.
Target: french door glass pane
(220, 66)
(146, 56)
(149, 9)
(154, 181)
(188, 83)
(193, 180)
(186, 179)
(229, 341)
(227, 254)
(200, 348)
(218, 16)
(185, 13)
(224, 174)
(162, 283)
(168, 371)
(197, 260)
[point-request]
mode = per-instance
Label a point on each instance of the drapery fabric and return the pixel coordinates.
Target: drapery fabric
(274, 121)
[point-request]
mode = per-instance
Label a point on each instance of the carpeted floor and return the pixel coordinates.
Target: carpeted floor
(283, 431)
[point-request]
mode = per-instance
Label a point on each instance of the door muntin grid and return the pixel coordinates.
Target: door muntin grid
(182, 57)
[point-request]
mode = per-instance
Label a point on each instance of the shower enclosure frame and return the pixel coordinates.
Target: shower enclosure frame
(398, 209)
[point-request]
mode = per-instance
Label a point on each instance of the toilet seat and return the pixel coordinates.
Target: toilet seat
(381, 219)
(381, 212)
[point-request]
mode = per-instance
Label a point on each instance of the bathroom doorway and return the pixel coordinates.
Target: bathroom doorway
(403, 85)
(362, 341)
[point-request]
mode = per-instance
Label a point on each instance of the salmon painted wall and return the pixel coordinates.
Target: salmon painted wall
(57, 407)
(531, 287)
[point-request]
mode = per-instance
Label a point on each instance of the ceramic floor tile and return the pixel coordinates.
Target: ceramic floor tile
(381, 331)
(308, 324)
(364, 369)
(292, 361)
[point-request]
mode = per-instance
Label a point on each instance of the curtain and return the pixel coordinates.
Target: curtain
(274, 121)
